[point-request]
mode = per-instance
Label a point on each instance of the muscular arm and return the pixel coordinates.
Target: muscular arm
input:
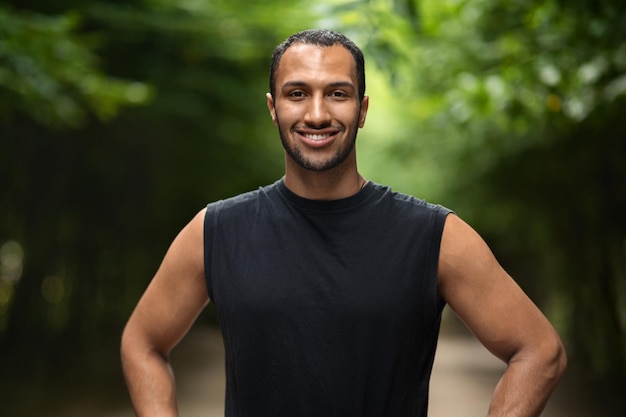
(503, 319)
(164, 314)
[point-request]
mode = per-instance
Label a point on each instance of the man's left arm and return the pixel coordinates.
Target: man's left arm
(503, 319)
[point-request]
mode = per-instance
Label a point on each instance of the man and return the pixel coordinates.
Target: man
(329, 288)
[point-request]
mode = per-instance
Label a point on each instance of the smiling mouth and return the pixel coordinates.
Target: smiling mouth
(316, 136)
(317, 140)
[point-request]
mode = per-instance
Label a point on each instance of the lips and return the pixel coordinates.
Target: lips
(317, 139)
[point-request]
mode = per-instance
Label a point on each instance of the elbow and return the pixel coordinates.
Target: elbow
(138, 348)
(133, 347)
(127, 348)
(555, 361)
(546, 360)
(562, 360)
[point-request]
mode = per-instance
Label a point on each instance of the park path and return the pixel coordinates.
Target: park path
(464, 375)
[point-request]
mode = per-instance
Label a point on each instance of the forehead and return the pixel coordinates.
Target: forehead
(308, 63)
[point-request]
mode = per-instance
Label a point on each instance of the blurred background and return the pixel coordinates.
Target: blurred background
(119, 120)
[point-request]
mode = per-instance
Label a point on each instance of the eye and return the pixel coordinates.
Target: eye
(296, 94)
(338, 94)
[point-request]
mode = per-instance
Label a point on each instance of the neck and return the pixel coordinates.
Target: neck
(337, 183)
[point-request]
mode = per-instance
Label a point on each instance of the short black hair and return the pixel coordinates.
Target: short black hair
(320, 37)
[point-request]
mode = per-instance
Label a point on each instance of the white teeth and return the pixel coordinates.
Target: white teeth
(316, 137)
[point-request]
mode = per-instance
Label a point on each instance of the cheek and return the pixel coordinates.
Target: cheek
(348, 112)
(353, 117)
(285, 116)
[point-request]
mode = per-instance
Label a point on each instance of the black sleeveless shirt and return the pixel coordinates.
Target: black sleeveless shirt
(327, 308)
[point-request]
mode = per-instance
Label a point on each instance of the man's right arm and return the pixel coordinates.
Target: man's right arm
(164, 314)
(503, 318)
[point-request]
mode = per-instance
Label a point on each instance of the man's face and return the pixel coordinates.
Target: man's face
(316, 105)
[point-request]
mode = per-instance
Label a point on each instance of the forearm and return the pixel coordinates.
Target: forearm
(526, 385)
(150, 383)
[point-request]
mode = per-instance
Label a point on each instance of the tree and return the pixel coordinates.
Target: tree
(51, 74)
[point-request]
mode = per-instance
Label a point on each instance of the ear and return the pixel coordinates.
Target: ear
(271, 108)
(364, 106)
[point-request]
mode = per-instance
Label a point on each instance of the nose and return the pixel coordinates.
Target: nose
(317, 112)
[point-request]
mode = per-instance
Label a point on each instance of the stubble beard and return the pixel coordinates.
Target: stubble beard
(295, 153)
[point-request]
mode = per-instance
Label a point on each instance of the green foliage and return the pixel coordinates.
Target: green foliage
(50, 73)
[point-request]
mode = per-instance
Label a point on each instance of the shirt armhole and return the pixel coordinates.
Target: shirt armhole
(440, 215)
(210, 223)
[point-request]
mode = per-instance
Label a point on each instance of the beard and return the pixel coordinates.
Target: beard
(315, 164)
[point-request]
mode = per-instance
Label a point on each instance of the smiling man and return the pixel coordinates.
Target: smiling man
(329, 288)
(320, 107)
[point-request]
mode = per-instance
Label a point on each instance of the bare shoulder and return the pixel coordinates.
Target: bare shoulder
(467, 267)
(463, 253)
(189, 244)
(184, 261)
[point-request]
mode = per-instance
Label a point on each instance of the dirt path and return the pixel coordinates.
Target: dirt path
(463, 378)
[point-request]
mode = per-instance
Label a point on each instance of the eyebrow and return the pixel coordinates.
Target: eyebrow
(336, 84)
